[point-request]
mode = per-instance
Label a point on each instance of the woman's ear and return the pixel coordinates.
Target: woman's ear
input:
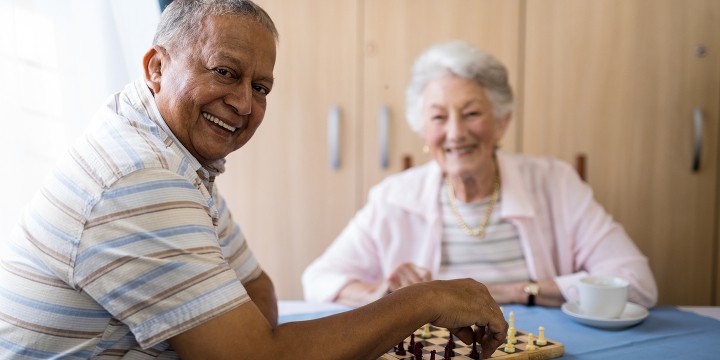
(153, 64)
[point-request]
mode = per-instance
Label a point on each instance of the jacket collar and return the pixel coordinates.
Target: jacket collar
(515, 196)
(144, 101)
(421, 187)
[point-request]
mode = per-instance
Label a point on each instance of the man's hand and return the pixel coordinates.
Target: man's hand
(465, 302)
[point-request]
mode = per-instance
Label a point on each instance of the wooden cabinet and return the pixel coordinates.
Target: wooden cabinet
(619, 81)
(280, 186)
(355, 55)
(616, 80)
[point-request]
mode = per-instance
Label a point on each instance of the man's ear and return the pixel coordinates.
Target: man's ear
(153, 65)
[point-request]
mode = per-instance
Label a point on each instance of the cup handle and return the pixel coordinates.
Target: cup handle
(574, 294)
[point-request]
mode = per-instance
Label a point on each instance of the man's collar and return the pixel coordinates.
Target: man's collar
(147, 103)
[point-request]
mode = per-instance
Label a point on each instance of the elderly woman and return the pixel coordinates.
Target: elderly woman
(527, 227)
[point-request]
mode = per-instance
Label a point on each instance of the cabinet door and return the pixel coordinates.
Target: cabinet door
(395, 33)
(280, 186)
(620, 81)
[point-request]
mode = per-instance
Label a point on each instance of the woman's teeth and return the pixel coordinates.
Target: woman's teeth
(460, 150)
(217, 121)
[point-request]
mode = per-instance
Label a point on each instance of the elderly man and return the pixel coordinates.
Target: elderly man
(128, 250)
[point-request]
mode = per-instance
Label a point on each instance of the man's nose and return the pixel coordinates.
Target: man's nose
(240, 99)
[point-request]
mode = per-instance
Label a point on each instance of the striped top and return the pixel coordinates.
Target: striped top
(495, 258)
(126, 245)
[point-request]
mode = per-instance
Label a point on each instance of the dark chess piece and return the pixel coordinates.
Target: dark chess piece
(400, 349)
(432, 355)
(474, 353)
(449, 352)
(417, 351)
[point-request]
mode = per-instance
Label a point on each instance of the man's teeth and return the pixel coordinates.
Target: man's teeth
(217, 121)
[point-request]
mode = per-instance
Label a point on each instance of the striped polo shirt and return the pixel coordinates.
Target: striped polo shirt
(127, 244)
(495, 258)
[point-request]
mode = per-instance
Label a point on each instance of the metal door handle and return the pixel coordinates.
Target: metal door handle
(697, 145)
(334, 137)
(383, 124)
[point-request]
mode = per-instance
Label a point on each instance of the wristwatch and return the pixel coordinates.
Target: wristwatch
(531, 289)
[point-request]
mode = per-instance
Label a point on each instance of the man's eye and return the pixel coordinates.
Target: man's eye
(261, 89)
(223, 72)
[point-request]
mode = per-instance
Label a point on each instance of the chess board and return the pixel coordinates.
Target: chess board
(439, 338)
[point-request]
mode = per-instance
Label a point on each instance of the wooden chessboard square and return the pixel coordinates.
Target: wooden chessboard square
(437, 348)
(435, 341)
(462, 350)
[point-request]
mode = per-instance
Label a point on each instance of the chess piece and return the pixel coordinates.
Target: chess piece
(400, 349)
(474, 353)
(449, 352)
(511, 335)
(417, 351)
(426, 332)
(411, 345)
(530, 343)
(509, 348)
(432, 355)
(541, 337)
(511, 321)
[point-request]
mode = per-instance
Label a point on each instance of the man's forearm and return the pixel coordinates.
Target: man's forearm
(262, 293)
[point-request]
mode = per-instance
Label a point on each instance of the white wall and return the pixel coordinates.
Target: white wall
(59, 60)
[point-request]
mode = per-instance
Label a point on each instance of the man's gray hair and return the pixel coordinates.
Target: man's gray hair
(180, 22)
(460, 59)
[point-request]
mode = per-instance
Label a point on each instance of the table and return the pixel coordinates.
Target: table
(667, 333)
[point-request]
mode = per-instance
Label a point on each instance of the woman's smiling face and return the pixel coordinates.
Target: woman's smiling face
(460, 128)
(212, 94)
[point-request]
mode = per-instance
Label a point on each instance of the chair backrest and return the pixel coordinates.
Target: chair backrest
(581, 165)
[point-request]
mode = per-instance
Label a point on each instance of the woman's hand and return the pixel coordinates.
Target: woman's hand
(407, 274)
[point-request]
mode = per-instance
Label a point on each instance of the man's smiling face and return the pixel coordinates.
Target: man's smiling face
(212, 94)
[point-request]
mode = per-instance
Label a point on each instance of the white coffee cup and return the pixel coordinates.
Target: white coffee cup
(603, 296)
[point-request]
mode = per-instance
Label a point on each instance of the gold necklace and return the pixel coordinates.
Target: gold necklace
(486, 219)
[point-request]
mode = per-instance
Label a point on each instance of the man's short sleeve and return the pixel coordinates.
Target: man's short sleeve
(149, 254)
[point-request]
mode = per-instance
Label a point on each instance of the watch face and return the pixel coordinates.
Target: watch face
(532, 288)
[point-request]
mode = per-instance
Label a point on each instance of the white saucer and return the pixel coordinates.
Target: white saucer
(633, 314)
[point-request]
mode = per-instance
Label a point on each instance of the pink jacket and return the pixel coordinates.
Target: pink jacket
(565, 234)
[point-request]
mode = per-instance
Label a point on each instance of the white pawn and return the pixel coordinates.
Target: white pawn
(541, 337)
(509, 347)
(530, 343)
(426, 332)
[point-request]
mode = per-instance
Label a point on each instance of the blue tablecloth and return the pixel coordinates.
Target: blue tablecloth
(667, 333)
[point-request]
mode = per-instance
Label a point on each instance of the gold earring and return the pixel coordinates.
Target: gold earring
(426, 149)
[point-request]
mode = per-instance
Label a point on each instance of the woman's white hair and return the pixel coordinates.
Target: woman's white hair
(460, 59)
